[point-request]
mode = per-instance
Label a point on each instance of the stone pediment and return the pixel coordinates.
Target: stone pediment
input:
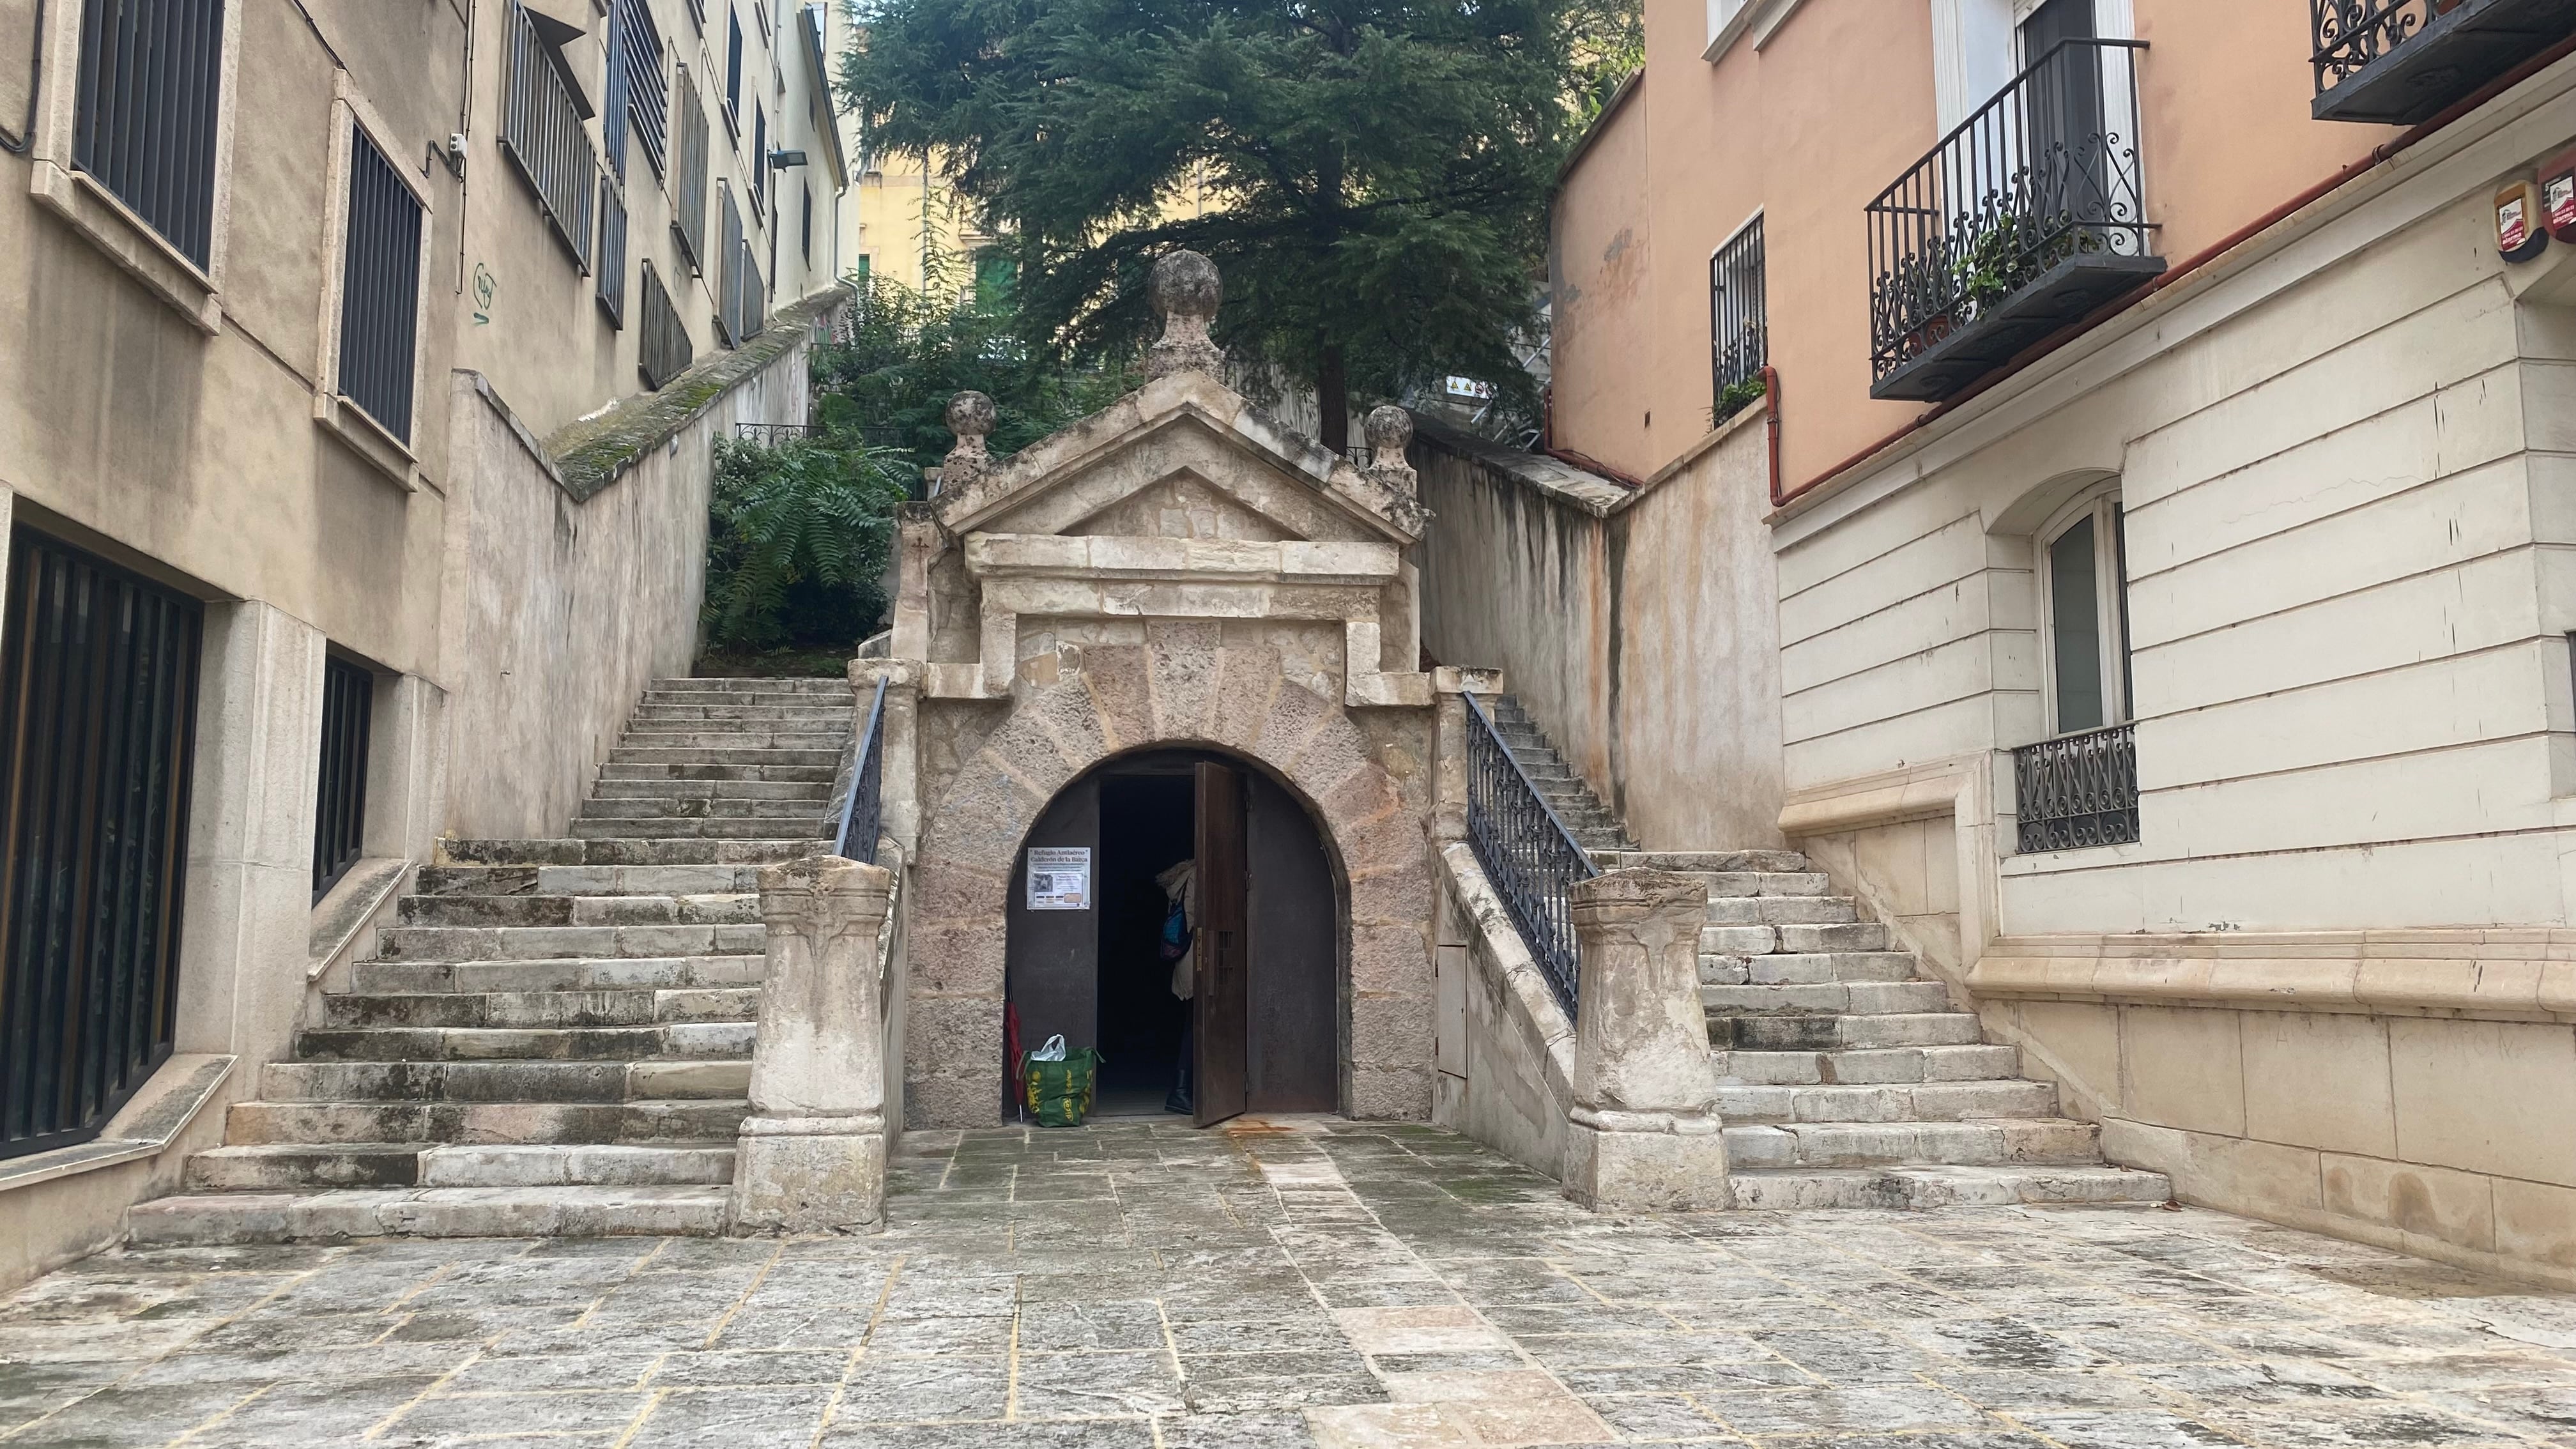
(1183, 456)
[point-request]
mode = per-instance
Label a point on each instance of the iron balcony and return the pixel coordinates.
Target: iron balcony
(2403, 61)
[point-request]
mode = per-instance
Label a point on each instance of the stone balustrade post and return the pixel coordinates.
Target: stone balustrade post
(811, 1158)
(1644, 1125)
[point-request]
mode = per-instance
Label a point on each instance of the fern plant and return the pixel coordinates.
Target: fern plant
(798, 539)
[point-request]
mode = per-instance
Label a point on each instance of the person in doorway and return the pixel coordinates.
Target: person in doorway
(1180, 947)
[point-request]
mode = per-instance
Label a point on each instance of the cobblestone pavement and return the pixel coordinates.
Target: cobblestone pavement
(1302, 1282)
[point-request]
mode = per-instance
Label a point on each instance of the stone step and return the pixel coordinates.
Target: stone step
(1914, 1188)
(820, 716)
(626, 754)
(1743, 940)
(547, 943)
(502, 1081)
(442, 1212)
(685, 770)
(804, 683)
(1855, 998)
(1841, 1032)
(630, 852)
(1808, 968)
(1869, 1065)
(810, 806)
(1901, 1102)
(1782, 910)
(711, 699)
(1983, 1143)
(663, 828)
(791, 692)
(527, 1123)
(539, 1009)
(719, 738)
(265, 1167)
(727, 909)
(589, 880)
(698, 972)
(675, 1041)
(817, 791)
(1726, 862)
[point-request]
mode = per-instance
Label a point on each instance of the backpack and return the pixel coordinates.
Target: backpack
(1176, 932)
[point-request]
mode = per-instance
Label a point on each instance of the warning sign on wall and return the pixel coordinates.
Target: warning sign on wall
(1060, 878)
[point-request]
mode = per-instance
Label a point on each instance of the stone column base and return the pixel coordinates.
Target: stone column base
(1646, 1162)
(809, 1175)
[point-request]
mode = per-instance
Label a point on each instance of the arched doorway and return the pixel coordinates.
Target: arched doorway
(1252, 1018)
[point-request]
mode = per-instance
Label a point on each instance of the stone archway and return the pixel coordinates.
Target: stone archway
(1184, 687)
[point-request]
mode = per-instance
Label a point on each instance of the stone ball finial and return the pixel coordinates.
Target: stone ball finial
(1185, 291)
(1388, 428)
(970, 416)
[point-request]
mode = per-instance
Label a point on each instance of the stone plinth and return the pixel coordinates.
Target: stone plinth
(1644, 1125)
(811, 1157)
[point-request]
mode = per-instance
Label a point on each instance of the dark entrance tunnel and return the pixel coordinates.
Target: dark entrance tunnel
(1267, 1037)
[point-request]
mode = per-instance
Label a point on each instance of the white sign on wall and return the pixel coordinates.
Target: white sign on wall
(1060, 878)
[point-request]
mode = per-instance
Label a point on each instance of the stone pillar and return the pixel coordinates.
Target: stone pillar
(812, 1155)
(1644, 1129)
(919, 542)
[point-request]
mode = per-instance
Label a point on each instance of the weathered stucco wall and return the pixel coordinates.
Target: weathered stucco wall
(1635, 626)
(1506, 1047)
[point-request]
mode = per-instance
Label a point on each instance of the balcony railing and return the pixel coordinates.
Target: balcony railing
(2401, 61)
(2025, 218)
(1739, 332)
(2078, 790)
(541, 133)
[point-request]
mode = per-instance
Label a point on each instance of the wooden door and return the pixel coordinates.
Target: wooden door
(1222, 1001)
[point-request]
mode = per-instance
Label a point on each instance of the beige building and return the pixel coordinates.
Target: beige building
(2137, 569)
(362, 367)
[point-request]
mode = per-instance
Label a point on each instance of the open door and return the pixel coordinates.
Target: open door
(1222, 1026)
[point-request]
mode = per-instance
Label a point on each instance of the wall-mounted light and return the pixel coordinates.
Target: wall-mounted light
(781, 160)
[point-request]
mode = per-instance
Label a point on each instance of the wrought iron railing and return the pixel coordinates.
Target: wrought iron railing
(2351, 34)
(770, 435)
(541, 133)
(2078, 790)
(2046, 171)
(1526, 851)
(863, 813)
(379, 289)
(1739, 331)
(663, 350)
(148, 92)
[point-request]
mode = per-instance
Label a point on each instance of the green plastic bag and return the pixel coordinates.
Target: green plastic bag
(1060, 1092)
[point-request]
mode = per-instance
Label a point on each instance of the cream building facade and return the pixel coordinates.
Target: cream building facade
(361, 381)
(2177, 657)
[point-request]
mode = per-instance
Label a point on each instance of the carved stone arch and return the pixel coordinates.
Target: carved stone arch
(1185, 687)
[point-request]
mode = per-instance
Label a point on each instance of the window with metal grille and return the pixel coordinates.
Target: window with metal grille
(1739, 333)
(689, 201)
(759, 162)
(805, 225)
(379, 289)
(663, 350)
(733, 70)
(611, 270)
(340, 806)
(541, 133)
(639, 59)
(98, 706)
(738, 291)
(151, 73)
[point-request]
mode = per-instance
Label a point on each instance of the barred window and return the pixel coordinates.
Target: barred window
(379, 288)
(150, 82)
(1738, 329)
(639, 59)
(689, 201)
(541, 133)
(733, 70)
(612, 250)
(759, 162)
(665, 352)
(739, 310)
(805, 226)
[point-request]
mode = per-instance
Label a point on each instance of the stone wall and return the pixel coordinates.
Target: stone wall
(1636, 626)
(1506, 1053)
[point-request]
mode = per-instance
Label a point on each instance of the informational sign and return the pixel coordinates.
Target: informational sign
(1060, 878)
(1468, 387)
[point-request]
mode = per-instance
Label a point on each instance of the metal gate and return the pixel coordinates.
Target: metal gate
(98, 697)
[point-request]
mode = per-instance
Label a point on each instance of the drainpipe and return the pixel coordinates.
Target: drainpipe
(2384, 151)
(1771, 426)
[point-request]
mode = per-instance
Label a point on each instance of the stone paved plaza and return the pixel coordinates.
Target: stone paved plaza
(1290, 1283)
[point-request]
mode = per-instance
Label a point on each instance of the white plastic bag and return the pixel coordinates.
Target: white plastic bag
(1053, 1051)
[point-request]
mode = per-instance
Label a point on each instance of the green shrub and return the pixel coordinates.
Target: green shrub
(798, 539)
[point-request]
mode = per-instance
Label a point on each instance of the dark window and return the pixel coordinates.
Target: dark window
(759, 162)
(98, 707)
(1739, 333)
(151, 72)
(541, 133)
(733, 70)
(739, 310)
(340, 807)
(639, 58)
(689, 203)
(379, 289)
(611, 270)
(805, 226)
(664, 351)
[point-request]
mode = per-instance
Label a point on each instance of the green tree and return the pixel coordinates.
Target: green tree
(1378, 169)
(798, 539)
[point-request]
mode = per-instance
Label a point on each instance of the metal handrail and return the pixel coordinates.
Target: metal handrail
(867, 776)
(1527, 852)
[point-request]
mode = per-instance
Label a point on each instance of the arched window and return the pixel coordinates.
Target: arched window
(2084, 613)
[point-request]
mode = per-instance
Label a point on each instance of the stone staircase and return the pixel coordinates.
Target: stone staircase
(555, 1036)
(1847, 1076)
(1592, 823)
